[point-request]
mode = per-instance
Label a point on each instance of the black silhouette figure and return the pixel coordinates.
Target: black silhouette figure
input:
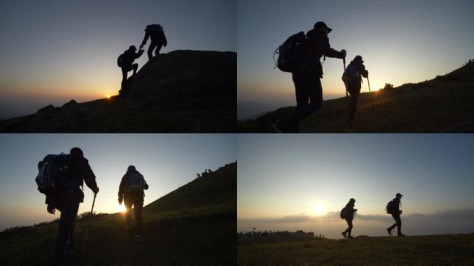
(125, 61)
(393, 208)
(348, 215)
(67, 202)
(352, 78)
(307, 78)
(131, 191)
(158, 39)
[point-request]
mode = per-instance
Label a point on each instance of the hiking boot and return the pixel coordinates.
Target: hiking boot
(138, 238)
(389, 230)
(344, 234)
(401, 234)
(350, 237)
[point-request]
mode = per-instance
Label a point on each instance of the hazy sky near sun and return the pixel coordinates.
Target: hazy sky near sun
(400, 42)
(53, 51)
(167, 161)
(291, 181)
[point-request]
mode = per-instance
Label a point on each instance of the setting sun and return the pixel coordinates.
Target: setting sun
(108, 96)
(317, 210)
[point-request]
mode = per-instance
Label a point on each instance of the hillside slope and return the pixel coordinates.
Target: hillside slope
(182, 91)
(193, 225)
(412, 250)
(443, 104)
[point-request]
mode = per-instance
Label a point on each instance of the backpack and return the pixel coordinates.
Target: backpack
(121, 60)
(390, 207)
(53, 173)
(352, 72)
(343, 213)
(290, 52)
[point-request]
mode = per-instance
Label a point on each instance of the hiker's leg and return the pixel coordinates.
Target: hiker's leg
(128, 214)
(349, 229)
(150, 50)
(158, 48)
(355, 92)
(399, 225)
(124, 74)
(65, 228)
(135, 68)
(138, 215)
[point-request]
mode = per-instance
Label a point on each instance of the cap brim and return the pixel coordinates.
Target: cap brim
(329, 29)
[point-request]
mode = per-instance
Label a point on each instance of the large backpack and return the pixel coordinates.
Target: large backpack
(290, 52)
(121, 60)
(343, 213)
(352, 72)
(53, 173)
(391, 208)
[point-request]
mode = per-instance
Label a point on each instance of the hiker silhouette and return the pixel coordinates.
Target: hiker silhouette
(393, 208)
(349, 216)
(158, 39)
(125, 62)
(131, 192)
(67, 200)
(307, 78)
(352, 78)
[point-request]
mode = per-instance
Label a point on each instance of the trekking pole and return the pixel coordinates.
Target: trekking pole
(347, 95)
(88, 225)
(370, 94)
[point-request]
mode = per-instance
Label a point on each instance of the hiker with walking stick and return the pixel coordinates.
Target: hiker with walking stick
(348, 213)
(307, 75)
(352, 78)
(67, 199)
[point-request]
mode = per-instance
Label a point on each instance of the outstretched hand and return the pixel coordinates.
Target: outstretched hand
(344, 53)
(51, 209)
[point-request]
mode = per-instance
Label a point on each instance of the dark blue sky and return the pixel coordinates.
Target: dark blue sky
(53, 51)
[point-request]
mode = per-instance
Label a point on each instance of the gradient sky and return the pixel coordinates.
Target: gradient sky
(400, 41)
(167, 161)
(302, 181)
(54, 51)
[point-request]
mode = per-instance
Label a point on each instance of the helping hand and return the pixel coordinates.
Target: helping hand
(343, 52)
(51, 209)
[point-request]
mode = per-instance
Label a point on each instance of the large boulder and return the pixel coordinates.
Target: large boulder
(184, 74)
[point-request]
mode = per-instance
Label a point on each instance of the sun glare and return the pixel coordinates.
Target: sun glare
(317, 210)
(122, 208)
(108, 96)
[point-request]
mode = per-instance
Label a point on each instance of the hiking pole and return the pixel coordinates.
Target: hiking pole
(370, 94)
(347, 95)
(88, 225)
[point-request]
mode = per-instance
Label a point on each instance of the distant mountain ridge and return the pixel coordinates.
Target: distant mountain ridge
(181, 91)
(443, 104)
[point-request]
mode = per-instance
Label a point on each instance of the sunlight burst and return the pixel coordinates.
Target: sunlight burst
(122, 209)
(317, 210)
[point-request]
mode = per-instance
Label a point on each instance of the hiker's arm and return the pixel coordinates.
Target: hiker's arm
(364, 72)
(139, 54)
(328, 51)
(121, 188)
(165, 42)
(145, 185)
(89, 177)
(145, 39)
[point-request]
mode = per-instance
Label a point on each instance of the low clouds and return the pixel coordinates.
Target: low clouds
(447, 221)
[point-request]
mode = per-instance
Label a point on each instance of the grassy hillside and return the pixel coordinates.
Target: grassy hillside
(193, 225)
(441, 104)
(178, 92)
(412, 250)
